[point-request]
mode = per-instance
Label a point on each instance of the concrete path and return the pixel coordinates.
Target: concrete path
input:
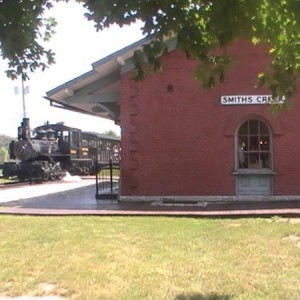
(78, 198)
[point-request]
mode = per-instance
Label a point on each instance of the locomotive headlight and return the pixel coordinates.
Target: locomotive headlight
(23, 150)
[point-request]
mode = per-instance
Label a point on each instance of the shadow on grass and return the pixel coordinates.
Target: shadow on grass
(203, 297)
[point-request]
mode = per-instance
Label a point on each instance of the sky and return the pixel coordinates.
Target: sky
(77, 45)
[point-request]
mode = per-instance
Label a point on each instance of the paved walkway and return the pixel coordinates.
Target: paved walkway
(41, 189)
(78, 198)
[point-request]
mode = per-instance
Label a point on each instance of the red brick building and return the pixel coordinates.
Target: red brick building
(181, 142)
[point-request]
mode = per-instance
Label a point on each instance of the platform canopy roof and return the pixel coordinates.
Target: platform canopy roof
(97, 91)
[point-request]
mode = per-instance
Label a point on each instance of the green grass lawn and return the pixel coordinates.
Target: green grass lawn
(150, 258)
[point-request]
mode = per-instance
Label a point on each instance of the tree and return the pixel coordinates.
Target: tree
(110, 133)
(5, 140)
(22, 28)
(4, 147)
(199, 26)
(3, 154)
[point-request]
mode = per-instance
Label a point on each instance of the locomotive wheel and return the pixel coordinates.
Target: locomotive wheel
(60, 177)
(51, 177)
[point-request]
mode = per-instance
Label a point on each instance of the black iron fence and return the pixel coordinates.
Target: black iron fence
(107, 180)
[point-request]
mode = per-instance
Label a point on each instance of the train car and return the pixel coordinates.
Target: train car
(54, 149)
(101, 147)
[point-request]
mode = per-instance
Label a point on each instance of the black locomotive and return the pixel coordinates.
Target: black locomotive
(55, 149)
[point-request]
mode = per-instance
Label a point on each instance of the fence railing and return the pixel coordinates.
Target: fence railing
(107, 180)
(107, 155)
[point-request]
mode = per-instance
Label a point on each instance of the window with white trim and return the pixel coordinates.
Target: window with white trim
(254, 145)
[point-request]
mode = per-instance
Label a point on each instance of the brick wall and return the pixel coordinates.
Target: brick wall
(177, 139)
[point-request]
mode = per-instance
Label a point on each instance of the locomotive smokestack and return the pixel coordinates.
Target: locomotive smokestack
(24, 130)
(26, 122)
(26, 126)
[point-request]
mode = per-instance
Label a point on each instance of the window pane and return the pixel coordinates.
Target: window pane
(244, 129)
(265, 160)
(243, 142)
(264, 143)
(254, 162)
(241, 155)
(254, 143)
(264, 128)
(253, 127)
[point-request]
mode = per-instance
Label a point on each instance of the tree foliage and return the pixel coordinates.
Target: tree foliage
(3, 154)
(110, 133)
(199, 26)
(22, 28)
(4, 147)
(5, 140)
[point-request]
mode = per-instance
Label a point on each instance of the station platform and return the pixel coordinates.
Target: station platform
(78, 198)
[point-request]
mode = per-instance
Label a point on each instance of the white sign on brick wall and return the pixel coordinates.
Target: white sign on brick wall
(248, 99)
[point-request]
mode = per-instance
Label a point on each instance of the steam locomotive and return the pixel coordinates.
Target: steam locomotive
(55, 149)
